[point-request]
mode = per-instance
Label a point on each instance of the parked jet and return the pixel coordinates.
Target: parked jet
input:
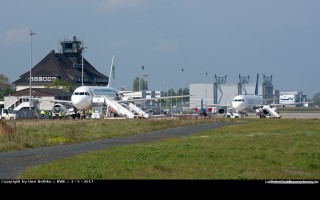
(254, 103)
(86, 97)
(248, 102)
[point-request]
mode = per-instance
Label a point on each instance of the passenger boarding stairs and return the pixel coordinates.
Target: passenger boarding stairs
(115, 105)
(139, 111)
(268, 111)
(21, 102)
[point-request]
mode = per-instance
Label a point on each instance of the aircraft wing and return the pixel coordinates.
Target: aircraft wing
(152, 99)
(55, 101)
(125, 92)
(61, 101)
(208, 105)
(284, 104)
(280, 104)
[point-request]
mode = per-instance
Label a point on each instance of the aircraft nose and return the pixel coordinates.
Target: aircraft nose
(76, 101)
(235, 104)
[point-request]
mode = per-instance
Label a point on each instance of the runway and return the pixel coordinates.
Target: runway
(301, 115)
(293, 115)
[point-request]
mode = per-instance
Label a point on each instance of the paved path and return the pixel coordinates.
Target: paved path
(293, 115)
(15, 162)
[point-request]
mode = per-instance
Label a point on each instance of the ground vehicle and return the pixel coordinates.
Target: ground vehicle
(8, 114)
(232, 114)
(65, 111)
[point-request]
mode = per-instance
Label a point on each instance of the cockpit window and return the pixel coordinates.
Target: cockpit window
(239, 100)
(81, 93)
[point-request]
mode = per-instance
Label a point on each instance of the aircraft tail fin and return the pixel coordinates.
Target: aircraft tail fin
(257, 85)
(111, 82)
(201, 104)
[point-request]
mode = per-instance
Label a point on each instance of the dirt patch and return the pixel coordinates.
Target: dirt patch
(6, 128)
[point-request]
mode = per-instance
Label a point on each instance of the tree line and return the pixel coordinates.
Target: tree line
(141, 84)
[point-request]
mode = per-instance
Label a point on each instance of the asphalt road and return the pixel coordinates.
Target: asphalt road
(301, 115)
(293, 115)
(15, 162)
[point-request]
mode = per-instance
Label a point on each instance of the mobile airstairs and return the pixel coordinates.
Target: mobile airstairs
(139, 111)
(268, 111)
(119, 108)
(21, 106)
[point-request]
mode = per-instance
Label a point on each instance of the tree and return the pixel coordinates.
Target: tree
(186, 91)
(5, 86)
(136, 84)
(316, 99)
(144, 84)
(181, 92)
(171, 92)
(60, 84)
(139, 81)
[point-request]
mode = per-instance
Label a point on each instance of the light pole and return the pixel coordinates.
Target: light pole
(141, 83)
(31, 34)
(82, 50)
(182, 90)
(171, 102)
(206, 87)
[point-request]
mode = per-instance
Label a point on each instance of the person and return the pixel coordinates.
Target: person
(90, 113)
(35, 114)
(60, 115)
(42, 113)
(50, 114)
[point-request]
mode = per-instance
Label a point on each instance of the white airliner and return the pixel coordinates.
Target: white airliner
(248, 102)
(255, 103)
(83, 96)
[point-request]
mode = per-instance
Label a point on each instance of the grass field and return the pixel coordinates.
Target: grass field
(22, 134)
(260, 149)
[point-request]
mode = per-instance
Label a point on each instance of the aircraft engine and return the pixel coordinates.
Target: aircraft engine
(221, 110)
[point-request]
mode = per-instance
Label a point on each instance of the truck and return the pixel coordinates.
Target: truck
(8, 114)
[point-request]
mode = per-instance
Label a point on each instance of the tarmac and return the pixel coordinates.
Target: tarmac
(293, 115)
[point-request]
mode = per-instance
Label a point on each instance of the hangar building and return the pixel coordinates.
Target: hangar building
(219, 92)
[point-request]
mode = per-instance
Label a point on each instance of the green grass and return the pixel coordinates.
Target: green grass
(43, 133)
(261, 149)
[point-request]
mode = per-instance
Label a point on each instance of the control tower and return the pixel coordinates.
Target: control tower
(72, 48)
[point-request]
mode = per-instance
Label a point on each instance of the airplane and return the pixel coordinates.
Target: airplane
(247, 102)
(254, 103)
(87, 97)
(202, 111)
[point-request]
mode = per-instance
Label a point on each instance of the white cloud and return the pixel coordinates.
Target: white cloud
(13, 36)
(116, 5)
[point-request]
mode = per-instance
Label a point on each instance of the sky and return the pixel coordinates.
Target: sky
(278, 38)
